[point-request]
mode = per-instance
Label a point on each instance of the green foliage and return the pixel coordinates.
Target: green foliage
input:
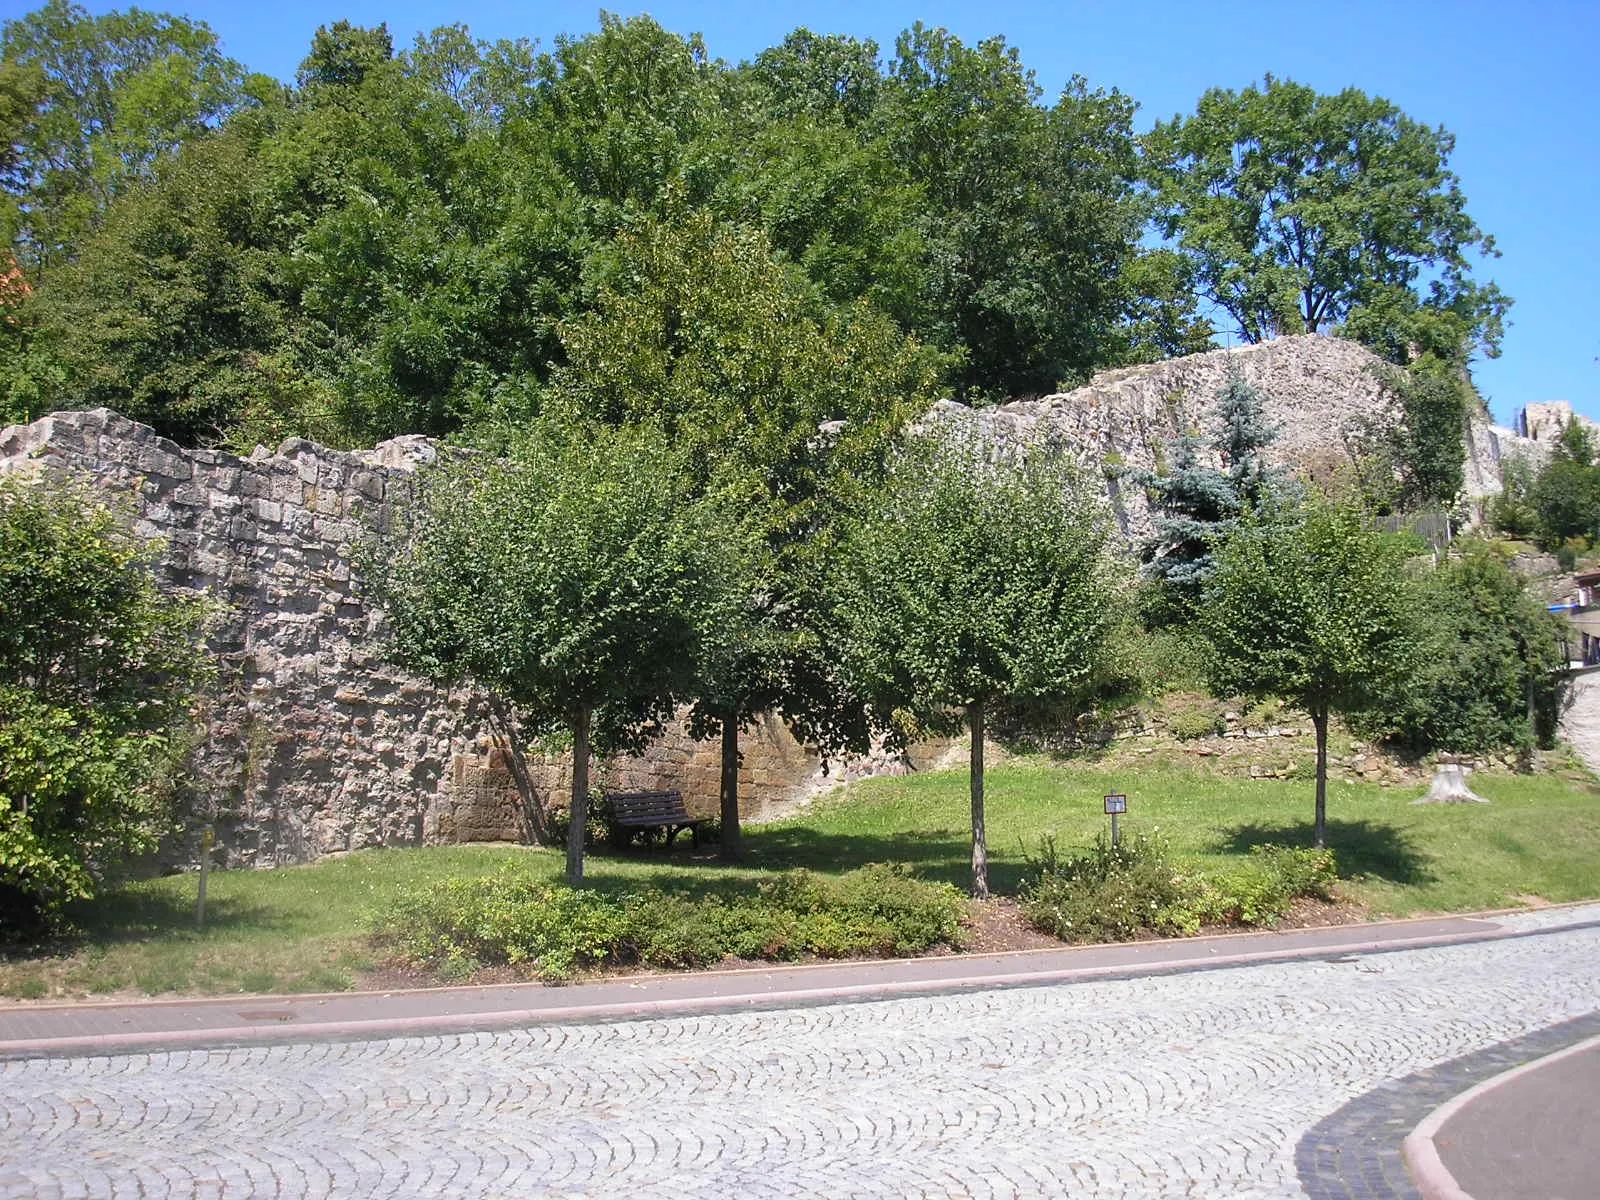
(97, 673)
(1109, 894)
(1260, 891)
(459, 925)
(111, 95)
(966, 582)
(1482, 679)
(1196, 721)
(1113, 893)
(579, 579)
(1195, 505)
(1302, 212)
(1312, 605)
(1415, 461)
(579, 572)
(966, 587)
(1512, 512)
(1557, 504)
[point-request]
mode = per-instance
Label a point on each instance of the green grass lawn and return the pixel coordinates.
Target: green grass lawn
(303, 928)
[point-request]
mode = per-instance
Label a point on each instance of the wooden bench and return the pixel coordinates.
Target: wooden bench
(632, 811)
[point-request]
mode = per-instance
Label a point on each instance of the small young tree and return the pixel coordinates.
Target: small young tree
(577, 579)
(963, 586)
(98, 670)
(1313, 606)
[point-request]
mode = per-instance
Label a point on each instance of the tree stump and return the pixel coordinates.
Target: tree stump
(1449, 785)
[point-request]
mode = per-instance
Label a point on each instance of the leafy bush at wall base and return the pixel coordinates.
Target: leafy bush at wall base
(1115, 893)
(97, 673)
(457, 926)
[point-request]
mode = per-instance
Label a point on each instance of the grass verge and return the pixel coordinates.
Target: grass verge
(305, 928)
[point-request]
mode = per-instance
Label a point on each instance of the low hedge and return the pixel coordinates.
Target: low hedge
(461, 925)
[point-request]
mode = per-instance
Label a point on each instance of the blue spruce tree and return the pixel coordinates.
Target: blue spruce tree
(1196, 505)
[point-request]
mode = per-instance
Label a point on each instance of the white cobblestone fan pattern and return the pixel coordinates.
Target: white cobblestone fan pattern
(1196, 1084)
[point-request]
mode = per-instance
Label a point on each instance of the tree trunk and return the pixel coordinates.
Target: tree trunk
(578, 811)
(980, 845)
(1319, 719)
(731, 845)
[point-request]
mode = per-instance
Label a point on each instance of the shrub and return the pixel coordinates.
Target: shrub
(1116, 893)
(1109, 894)
(1261, 891)
(457, 926)
(98, 670)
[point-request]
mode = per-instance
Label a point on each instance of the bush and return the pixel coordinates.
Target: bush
(1262, 891)
(1116, 893)
(1110, 894)
(458, 926)
(98, 670)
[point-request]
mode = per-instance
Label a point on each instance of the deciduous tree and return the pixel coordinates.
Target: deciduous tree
(1305, 212)
(1312, 605)
(577, 579)
(966, 586)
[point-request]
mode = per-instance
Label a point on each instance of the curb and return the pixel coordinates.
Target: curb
(1421, 1154)
(380, 1027)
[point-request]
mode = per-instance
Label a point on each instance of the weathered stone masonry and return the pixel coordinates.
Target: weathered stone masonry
(315, 744)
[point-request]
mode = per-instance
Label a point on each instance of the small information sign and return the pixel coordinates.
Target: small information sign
(1116, 804)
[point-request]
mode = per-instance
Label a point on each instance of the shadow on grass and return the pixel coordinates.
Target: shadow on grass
(939, 855)
(135, 915)
(1361, 847)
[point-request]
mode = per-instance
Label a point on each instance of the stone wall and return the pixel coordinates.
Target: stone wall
(315, 744)
(1317, 386)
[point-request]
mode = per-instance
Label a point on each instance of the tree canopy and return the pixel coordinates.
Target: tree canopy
(1304, 212)
(963, 589)
(414, 238)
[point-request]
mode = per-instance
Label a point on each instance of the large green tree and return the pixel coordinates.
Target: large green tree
(1304, 212)
(112, 94)
(98, 670)
(760, 380)
(1031, 216)
(1312, 605)
(963, 588)
(577, 579)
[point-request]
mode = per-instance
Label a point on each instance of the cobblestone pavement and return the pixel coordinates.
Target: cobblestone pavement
(1193, 1084)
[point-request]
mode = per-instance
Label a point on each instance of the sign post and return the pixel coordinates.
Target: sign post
(208, 838)
(1115, 806)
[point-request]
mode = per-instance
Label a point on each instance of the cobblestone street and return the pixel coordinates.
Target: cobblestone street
(1194, 1084)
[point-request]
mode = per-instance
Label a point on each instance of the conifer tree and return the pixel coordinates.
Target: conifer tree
(1197, 504)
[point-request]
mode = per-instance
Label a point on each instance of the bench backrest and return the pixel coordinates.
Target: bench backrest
(647, 807)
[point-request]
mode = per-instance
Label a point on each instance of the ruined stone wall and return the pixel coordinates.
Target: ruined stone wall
(1317, 387)
(314, 743)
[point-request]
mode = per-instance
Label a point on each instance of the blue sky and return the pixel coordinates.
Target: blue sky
(1519, 86)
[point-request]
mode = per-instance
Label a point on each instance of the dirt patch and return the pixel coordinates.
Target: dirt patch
(997, 925)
